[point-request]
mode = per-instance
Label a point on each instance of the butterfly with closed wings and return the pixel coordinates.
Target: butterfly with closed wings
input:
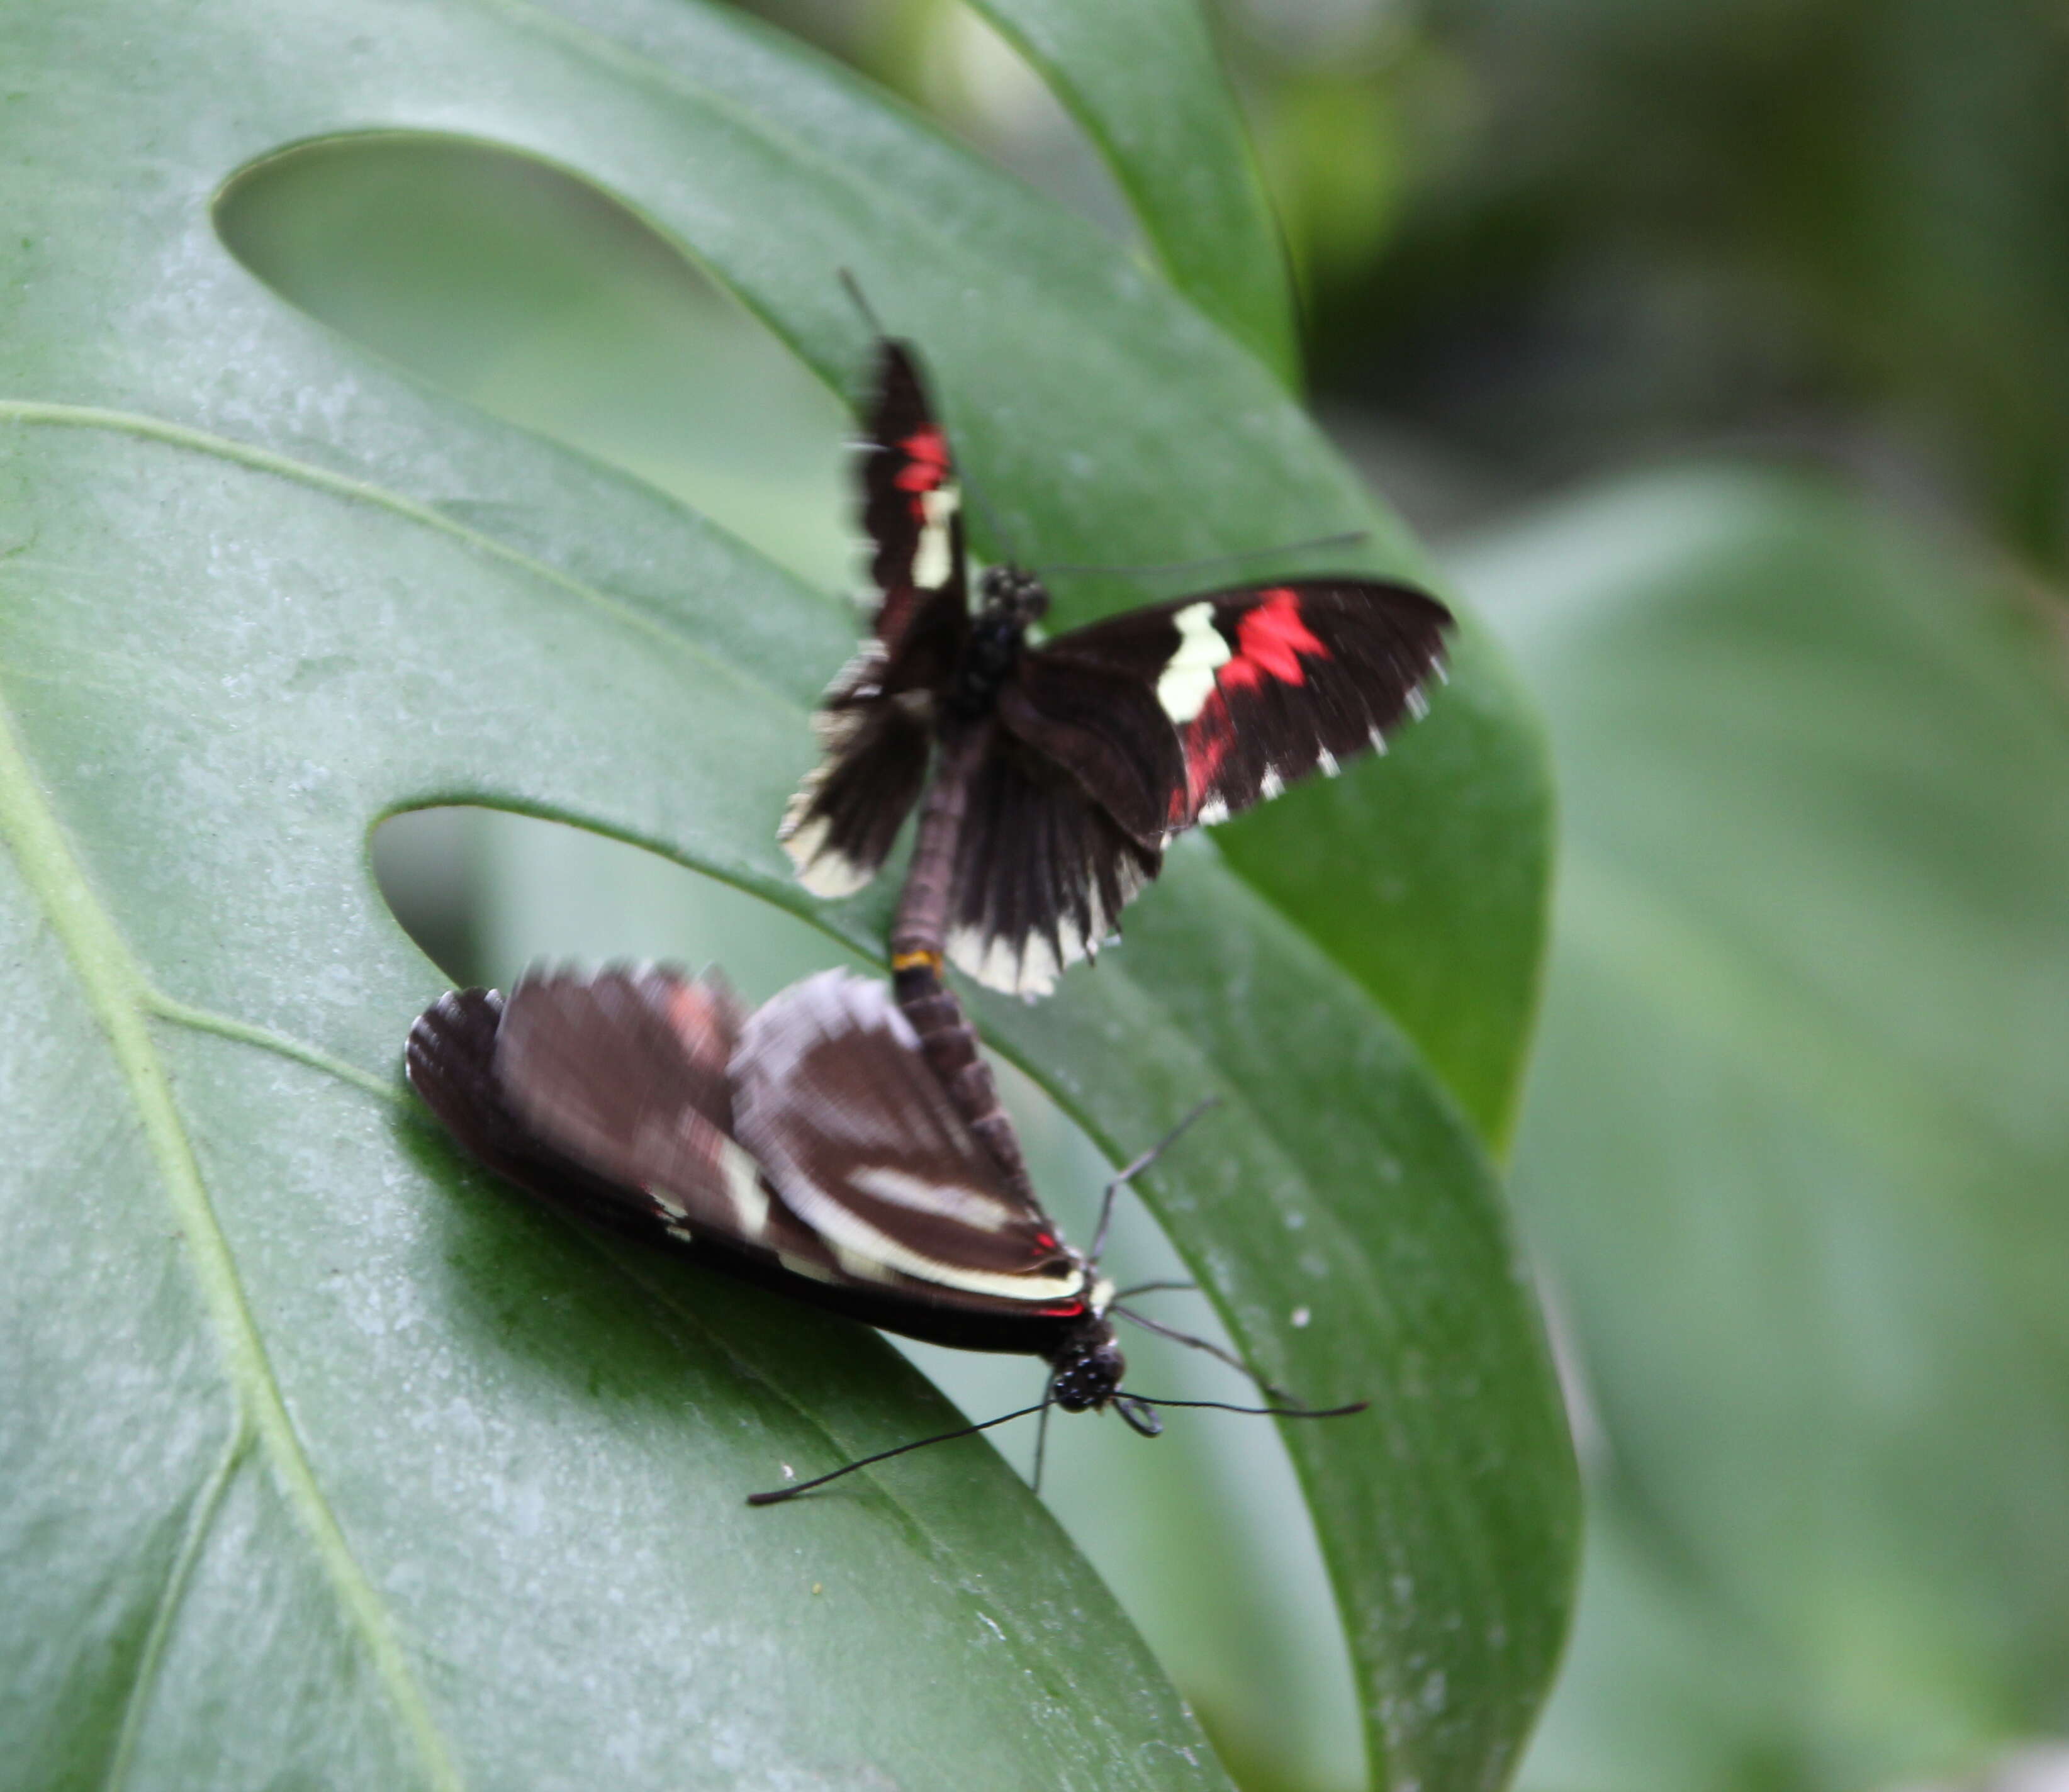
(807, 1147)
(1061, 771)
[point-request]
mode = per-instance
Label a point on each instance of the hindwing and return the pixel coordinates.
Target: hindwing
(833, 1095)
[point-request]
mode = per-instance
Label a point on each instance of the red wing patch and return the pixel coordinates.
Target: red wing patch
(1270, 638)
(926, 460)
(1209, 736)
(908, 495)
(1269, 641)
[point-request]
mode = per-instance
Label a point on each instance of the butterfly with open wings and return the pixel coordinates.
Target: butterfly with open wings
(1061, 771)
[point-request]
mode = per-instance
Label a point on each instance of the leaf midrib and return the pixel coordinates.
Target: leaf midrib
(118, 995)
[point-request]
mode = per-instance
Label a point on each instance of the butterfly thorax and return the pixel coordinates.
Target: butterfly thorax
(1088, 1367)
(1009, 601)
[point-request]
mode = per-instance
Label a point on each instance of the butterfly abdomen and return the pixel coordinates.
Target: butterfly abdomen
(918, 930)
(949, 1043)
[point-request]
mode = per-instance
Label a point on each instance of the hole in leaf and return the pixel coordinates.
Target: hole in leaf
(541, 298)
(1202, 1534)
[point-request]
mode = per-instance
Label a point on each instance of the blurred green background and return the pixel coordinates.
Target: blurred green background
(1719, 348)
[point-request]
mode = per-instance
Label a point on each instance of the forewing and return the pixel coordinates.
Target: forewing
(451, 1059)
(831, 1093)
(1042, 871)
(1258, 686)
(911, 501)
(624, 1074)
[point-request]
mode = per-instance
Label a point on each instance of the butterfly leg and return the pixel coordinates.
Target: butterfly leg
(1041, 1442)
(1113, 1189)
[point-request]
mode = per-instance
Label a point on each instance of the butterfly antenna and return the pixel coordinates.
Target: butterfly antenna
(1347, 538)
(991, 519)
(1113, 1189)
(853, 288)
(1156, 1288)
(777, 1496)
(1207, 1345)
(1256, 1412)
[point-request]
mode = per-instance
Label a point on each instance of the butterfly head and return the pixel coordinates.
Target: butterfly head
(1087, 1369)
(1011, 597)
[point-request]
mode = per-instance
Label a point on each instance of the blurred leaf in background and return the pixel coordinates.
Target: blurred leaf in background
(1623, 229)
(1796, 1151)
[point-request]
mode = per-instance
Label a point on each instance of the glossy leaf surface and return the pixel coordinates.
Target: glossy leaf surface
(333, 1458)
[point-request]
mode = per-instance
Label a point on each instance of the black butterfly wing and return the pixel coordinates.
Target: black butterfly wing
(831, 1093)
(1115, 737)
(911, 502)
(875, 723)
(1259, 686)
(608, 1097)
(450, 1060)
(1040, 873)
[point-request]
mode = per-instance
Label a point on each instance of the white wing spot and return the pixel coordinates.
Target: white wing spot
(966, 1207)
(860, 1266)
(743, 1187)
(933, 559)
(825, 872)
(1188, 680)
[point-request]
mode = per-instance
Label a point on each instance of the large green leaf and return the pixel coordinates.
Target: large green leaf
(330, 1459)
(1797, 1148)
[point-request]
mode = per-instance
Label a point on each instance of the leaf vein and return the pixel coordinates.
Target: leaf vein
(136, 1704)
(118, 996)
(206, 1020)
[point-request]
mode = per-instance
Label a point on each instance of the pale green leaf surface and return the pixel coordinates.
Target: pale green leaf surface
(342, 1463)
